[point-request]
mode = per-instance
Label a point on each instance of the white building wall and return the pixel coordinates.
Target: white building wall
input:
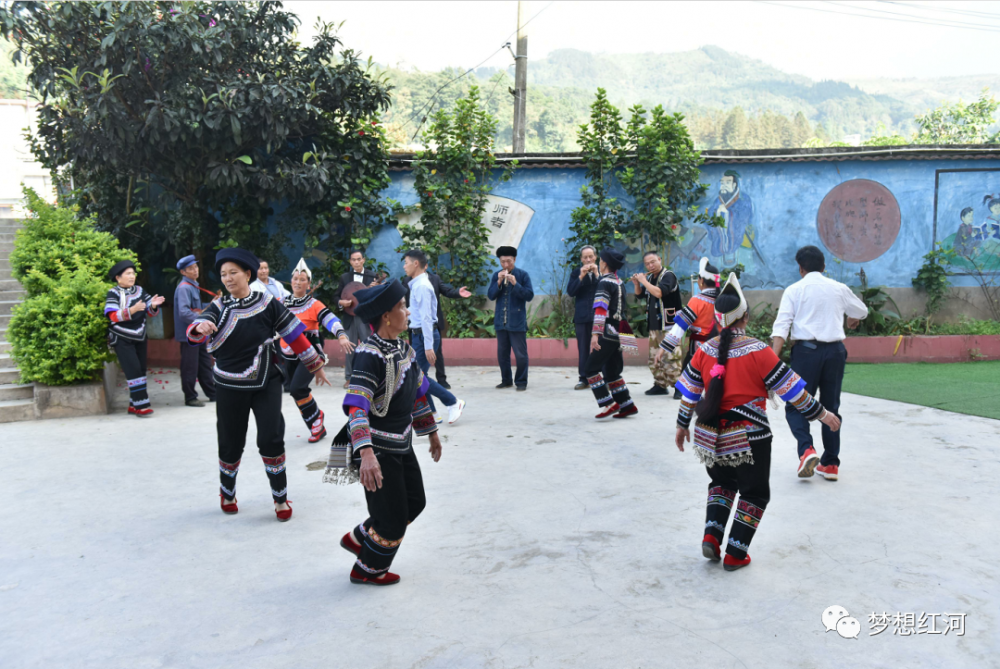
(17, 165)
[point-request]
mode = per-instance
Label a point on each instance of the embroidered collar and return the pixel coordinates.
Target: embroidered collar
(292, 301)
(128, 292)
(249, 300)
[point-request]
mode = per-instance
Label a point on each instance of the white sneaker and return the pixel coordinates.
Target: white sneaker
(455, 411)
(437, 418)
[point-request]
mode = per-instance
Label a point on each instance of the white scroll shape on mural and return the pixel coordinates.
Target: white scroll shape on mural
(506, 220)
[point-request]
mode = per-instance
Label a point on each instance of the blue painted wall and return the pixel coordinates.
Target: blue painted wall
(785, 197)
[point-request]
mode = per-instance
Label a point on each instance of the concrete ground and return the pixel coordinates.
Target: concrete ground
(549, 540)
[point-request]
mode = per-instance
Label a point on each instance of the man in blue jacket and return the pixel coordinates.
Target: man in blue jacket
(582, 287)
(196, 363)
(511, 289)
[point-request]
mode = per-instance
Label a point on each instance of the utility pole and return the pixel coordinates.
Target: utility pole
(520, 78)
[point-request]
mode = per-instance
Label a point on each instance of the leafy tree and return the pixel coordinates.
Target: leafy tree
(662, 176)
(882, 137)
(600, 217)
(735, 130)
(199, 116)
(13, 78)
(960, 123)
(59, 333)
(453, 180)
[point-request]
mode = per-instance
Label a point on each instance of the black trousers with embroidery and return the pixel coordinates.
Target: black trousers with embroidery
(390, 509)
(609, 386)
(233, 409)
(299, 378)
(132, 359)
(752, 483)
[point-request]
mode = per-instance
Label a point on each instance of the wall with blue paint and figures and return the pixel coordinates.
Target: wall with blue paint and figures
(771, 210)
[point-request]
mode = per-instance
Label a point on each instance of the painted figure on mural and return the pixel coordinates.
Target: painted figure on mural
(990, 229)
(732, 244)
(966, 240)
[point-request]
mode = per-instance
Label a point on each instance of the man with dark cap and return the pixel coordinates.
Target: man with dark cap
(696, 319)
(511, 288)
(386, 404)
(196, 363)
(582, 287)
(611, 333)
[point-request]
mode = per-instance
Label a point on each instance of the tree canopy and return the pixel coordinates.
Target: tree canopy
(204, 114)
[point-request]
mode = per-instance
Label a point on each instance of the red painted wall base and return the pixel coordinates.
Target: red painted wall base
(552, 352)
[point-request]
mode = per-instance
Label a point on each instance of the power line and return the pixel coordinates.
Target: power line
(869, 16)
(949, 10)
(951, 23)
(434, 95)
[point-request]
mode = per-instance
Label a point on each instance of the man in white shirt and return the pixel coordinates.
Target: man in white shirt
(812, 312)
(423, 325)
(265, 283)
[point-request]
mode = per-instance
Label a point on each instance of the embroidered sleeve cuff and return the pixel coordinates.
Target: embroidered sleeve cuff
(685, 413)
(193, 336)
(333, 324)
(422, 417)
(672, 339)
(360, 429)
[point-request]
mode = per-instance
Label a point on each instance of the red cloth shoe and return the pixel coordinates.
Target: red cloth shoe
(608, 411)
(627, 411)
(286, 514)
(318, 429)
(829, 472)
(359, 577)
(347, 543)
(228, 507)
(732, 564)
(807, 463)
(710, 548)
(131, 409)
(142, 413)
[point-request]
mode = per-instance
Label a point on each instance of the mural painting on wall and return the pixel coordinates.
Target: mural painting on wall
(733, 245)
(858, 220)
(505, 218)
(967, 218)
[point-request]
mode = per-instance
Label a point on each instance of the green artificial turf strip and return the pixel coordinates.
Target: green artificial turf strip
(963, 387)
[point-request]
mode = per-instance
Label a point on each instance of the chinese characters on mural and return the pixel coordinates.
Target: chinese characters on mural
(858, 220)
(498, 216)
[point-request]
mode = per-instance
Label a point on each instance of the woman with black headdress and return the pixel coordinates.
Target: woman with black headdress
(386, 404)
(242, 330)
(732, 436)
(611, 333)
(126, 307)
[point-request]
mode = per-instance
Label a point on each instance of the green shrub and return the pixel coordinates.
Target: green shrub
(58, 335)
(54, 240)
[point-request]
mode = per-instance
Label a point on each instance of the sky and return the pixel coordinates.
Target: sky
(821, 40)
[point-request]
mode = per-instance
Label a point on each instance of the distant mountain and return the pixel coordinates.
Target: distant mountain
(730, 100)
(712, 78)
(931, 92)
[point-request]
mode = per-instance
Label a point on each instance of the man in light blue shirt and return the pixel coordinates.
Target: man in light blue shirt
(264, 283)
(423, 325)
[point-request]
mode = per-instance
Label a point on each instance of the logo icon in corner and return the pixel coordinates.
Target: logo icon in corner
(837, 618)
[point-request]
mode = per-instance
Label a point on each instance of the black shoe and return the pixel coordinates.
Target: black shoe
(583, 385)
(194, 403)
(657, 390)
(505, 385)
(520, 388)
(677, 394)
(445, 385)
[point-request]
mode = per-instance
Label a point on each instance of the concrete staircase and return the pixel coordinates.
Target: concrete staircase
(17, 402)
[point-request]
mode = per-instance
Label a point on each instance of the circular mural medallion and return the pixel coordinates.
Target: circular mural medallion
(858, 220)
